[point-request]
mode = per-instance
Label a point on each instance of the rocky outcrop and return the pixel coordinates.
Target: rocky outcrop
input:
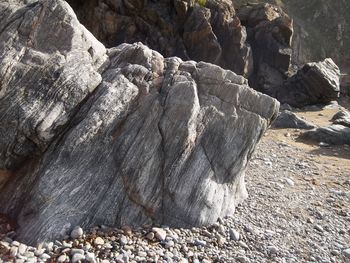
(270, 32)
(120, 136)
(210, 32)
(313, 83)
(337, 133)
(288, 119)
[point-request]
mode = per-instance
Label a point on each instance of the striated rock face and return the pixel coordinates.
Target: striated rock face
(313, 83)
(210, 33)
(120, 136)
(270, 33)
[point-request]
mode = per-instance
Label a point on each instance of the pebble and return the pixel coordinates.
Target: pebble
(169, 244)
(199, 242)
(289, 181)
(160, 233)
(90, 257)
(22, 248)
(234, 235)
(77, 251)
(77, 232)
(272, 250)
(346, 252)
(150, 236)
(77, 257)
(123, 240)
(62, 258)
(99, 241)
(13, 251)
(243, 245)
(319, 228)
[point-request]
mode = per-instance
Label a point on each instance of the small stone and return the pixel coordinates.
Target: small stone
(242, 259)
(335, 252)
(221, 240)
(290, 182)
(45, 256)
(160, 233)
(78, 257)
(319, 228)
(127, 230)
(15, 243)
(108, 246)
(243, 245)
(77, 251)
(123, 240)
(104, 261)
(150, 236)
(66, 244)
(346, 252)
(22, 249)
(310, 220)
(99, 241)
(142, 254)
(13, 251)
(77, 232)
(90, 257)
(272, 250)
(199, 242)
(169, 244)
(62, 258)
(234, 235)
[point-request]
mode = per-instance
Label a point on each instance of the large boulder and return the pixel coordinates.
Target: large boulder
(209, 32)
(316, 82)
(120, 136)
(288, 119)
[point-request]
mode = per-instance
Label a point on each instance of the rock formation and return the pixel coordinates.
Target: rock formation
(337, 133)
(313, 83)
(119, 136)
(288, 119)
(211, 33)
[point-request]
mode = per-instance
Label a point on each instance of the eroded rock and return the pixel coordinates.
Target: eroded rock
(129, 139)
(288, 119)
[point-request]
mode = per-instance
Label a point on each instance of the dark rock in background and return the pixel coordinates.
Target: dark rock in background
(211, 33)
(314, 83)
(121, 136)
(342, 118)
(333, 134)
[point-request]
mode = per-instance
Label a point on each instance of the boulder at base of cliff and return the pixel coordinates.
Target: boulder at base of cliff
(334, 134)
(91, 136)
(288, 119)
(314, 83)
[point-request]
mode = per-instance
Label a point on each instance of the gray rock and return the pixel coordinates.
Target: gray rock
(316, 82)
(342, 118)
(288, 119)
(334, 134)
(140, 139)
(77, 232)
(99, 241)
(234, 235)
(62, 258)
(123, 240)
(346, 252)
(77, 257)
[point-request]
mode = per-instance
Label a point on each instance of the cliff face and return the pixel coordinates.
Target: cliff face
(321, 29)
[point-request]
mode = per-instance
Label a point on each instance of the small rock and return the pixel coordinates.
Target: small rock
(66, 244)
(45, 256)
(243, 245)
(169, 244)
(199, 242)
(123, 240)
(77, 232)
(150, 236)
(99, 241)
(160, 233)
(13, 251)
(22, 249)
(272, 250)
(242, 259)
(15, 243)
(289, 181)
(319, 228)
(346, 252)
(62, 258)
(77, 251)
(90, 257)
(78, 257)
(234, 235)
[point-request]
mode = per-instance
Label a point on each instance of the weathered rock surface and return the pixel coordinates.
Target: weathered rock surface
(342, 118)
(211, 33)
(334, 134)
(288, 119)
(316, 82)
(119, 136)
(270, 32)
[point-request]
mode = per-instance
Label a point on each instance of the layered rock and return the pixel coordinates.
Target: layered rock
(316, 82)
(288, 119)
(183, 28)
(120, 136)
(270, 32)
